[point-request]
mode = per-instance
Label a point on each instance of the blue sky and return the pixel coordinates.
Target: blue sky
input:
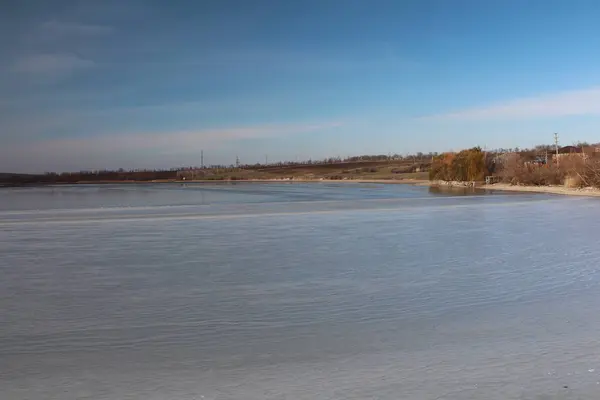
(149, 83)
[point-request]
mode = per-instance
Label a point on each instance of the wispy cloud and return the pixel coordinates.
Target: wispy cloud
(56, 28)
(279, 60)
(153, 148)
(576, 102)
(50, 64)
(49, 49)
(185, 140)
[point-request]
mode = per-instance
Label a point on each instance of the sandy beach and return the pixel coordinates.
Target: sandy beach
(544, 189)
(561, 190)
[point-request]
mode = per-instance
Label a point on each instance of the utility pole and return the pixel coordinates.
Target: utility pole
(556, 146)
(202, 159)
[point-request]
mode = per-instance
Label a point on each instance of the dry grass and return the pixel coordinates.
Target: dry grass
(339, 171)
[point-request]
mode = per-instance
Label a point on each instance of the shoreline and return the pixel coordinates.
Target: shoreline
(223, 181)
(506, 187)
(558, 190)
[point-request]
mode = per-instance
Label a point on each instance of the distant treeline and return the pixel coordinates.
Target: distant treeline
(146, 175)
(418, 157)
(577, 165)
(86, 176)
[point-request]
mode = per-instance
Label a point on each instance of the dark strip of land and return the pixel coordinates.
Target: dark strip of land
(359, 170)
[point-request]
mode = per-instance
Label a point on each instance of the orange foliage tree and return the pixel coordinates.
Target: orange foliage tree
(466, 165)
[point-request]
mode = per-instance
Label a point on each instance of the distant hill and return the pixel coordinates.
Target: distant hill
(12, 179)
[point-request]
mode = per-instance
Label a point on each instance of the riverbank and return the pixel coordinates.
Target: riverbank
(559, 190)
(407, 181)
(418, 182)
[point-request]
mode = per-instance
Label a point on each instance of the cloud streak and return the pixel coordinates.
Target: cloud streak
(50, 64)
(50, 48)
(183, 140)
(568, 103)
(58, 29)
(103, 150)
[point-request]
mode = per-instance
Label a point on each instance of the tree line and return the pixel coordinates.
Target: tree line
(574, 166)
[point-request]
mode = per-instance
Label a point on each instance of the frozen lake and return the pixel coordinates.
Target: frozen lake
(297, 291)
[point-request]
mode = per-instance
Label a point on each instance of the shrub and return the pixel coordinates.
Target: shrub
(403, 170)
(467, 165)
(588, 173)
(541, 175)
